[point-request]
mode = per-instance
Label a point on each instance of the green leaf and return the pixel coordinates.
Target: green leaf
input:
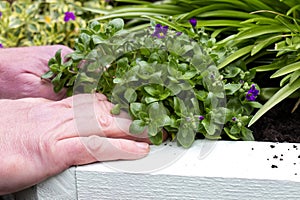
(261, 30)
(33, 27)
(232, 136)
(294, 76)
(264, 43)
(47, 75)
(275, 99)
(136, 108)
(137, 127)
(286, 23)
(118, 24)
(116, 110)
(239, 53)
(156, 139)
(269, 67)
(287, 69)
(130, 95)
(58, 57)
(149, 100)
(247, 134)
(185, 136)
(230, 88)
(254, 104)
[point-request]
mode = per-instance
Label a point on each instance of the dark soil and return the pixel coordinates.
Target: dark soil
(279, 124)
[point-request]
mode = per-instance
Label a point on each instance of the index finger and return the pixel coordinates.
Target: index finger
(92, 116)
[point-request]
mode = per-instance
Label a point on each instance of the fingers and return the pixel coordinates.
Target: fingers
(92, 116)
(84, 150)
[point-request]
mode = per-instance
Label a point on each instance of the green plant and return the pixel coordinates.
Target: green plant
(266, 32)
(165, 79)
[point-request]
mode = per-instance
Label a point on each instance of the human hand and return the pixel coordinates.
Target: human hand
(40, 138)
(21, 69)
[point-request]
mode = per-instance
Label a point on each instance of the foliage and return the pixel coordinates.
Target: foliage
(267, 33)
(27, 23)
(164, 79)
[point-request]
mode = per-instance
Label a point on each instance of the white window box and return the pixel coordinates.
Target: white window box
(208, 170)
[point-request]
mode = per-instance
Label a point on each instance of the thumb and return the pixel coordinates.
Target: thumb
(84, 150)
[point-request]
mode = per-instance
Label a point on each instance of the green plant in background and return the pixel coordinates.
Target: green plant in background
(28, 23)
(163, 78)
(265, 33)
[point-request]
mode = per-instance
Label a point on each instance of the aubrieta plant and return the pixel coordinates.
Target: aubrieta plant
(166, 80)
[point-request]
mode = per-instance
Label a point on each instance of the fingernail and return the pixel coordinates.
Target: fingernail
(142, 145)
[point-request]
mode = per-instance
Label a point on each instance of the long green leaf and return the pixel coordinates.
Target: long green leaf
(270, 67)
(283, 93)
(287, 69)
(262, 44)
(202, 9)
(239, 53)
(286, 23)
(222, 23)
(261, 30)
(227, 13)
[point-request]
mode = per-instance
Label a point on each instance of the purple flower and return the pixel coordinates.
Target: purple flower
(160, 31)
(193, 22)
(0, 14)
(1, 45)
(178, 33)
(201, 118)
(252, 93)
(233, 119)
(69, 16)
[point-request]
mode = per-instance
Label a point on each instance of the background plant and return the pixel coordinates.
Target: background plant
(27, 23)
(265, 33)
(163, 79)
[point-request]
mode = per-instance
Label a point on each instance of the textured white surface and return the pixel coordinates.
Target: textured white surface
(208, 170)
(60, 187)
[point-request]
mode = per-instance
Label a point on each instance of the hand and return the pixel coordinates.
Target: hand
(21, 69)
(40, 138)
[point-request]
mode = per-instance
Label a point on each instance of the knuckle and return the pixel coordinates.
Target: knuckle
(105, 121)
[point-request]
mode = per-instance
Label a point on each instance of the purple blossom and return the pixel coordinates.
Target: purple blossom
(201, 118)
(0, 14)
(160, 31)
(233, 119)
(178, 33)
(1, 45)
(69, 16)
(252, 93)
(193, 22)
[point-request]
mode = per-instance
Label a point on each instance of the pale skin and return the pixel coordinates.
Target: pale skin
(42, 136)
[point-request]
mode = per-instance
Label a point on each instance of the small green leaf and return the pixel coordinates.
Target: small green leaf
(130, 95)
(185, 136)
(137, 127)
(58, 57)
(116, 110)
(230, 88)
(254, 104)
(47, 75)
(118, 24)
(156, 139)
(247, 134)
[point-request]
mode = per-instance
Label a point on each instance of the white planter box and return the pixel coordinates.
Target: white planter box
(208, 170)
